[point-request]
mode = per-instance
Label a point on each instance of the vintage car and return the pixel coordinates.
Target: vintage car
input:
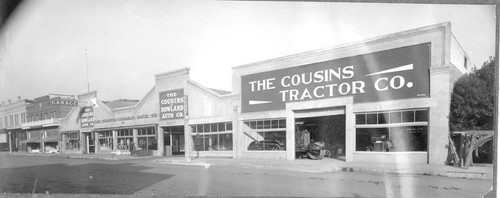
(49, 149)
(266, 145)
(35, 151)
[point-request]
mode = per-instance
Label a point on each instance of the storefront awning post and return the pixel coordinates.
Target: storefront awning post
(10, 142)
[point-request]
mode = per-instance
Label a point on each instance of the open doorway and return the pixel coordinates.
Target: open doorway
(327, 129)
(89, 143)
(174, 140)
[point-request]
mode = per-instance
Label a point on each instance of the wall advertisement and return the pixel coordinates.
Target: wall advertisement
(172, 104)
(380, 76)
(87, 117)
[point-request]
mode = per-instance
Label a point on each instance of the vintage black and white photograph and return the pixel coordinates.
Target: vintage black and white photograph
(128, 98)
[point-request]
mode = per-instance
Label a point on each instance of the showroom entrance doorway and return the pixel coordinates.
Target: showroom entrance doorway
(312, 129)
(174, 140)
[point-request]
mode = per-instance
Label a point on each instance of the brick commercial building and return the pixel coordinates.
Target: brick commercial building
(44, 116)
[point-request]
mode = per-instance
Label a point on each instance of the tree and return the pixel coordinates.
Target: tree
(472, 108)
(472, 100)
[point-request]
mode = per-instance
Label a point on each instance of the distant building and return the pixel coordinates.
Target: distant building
(12, 116)
(44, 116)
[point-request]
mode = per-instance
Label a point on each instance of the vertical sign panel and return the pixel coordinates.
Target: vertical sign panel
(172, 104)
(87, 117)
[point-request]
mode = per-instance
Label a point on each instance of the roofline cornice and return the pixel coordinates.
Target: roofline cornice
(172, 73)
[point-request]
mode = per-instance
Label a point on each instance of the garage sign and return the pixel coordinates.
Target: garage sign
(386, 75)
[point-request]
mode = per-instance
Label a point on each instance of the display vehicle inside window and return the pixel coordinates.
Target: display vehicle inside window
(269, 134)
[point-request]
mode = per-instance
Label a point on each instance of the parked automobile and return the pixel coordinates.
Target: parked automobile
(266, 145)
(35, 151)
(49, 149)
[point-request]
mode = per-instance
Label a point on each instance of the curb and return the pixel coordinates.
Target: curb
(401, 172)
(99, 158)
(455, 174)
(181, 162)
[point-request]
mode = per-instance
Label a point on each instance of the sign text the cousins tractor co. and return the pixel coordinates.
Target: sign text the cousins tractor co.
(386, 75)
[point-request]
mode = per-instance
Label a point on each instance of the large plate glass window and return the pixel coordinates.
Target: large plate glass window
(212, 136)
(394, 131)
(125, 139)
(267, 134)
(72, 141)
(147, 138)
(105, 140)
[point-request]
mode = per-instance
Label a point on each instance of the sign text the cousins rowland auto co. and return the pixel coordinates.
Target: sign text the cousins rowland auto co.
(172, 104)
(87, 117)
(386, 75)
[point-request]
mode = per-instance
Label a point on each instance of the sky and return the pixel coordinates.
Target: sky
(46, 45)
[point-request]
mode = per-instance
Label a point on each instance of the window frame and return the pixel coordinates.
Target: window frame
(195, 133)
(147, 135)
(390, 124)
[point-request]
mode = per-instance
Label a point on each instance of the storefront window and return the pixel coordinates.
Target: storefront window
(267, 134)
(72, 142)
(125, 143)
(393, 117)
(392, 139)
(105, 140)
(395, 131)
(147, 139)
(212, 137)
(125, 139)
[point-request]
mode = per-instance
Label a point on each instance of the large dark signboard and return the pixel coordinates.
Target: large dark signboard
(172, 104)
(87, 117)
(386, 75)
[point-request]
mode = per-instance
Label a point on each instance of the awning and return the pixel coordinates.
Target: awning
(71, 131)
(51, 139)
(32, 140)
(39, 140)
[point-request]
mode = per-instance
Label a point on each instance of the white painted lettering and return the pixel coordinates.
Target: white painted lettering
(316, 94)
(344, 88)
(283, 81)
(358, 86)
(377, 86)
(401, 81)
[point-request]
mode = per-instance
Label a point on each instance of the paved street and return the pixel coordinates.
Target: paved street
(143, 176)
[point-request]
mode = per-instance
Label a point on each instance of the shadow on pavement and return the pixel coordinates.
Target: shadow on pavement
(94, 178)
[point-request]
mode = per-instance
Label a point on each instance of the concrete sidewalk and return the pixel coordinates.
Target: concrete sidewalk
(331, 165)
